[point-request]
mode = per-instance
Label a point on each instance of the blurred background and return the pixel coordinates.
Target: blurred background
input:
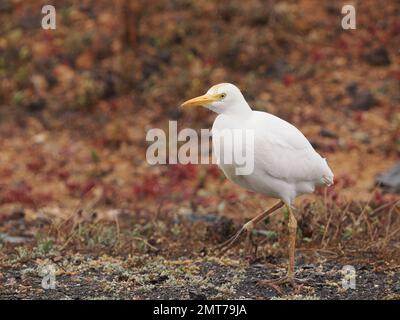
(76, 103)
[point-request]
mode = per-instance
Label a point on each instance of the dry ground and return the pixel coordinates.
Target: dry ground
(77, 192)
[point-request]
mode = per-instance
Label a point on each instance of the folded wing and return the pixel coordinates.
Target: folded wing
(285, 153)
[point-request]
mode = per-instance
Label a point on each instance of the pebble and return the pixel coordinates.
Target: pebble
(390, 180)
(13, 239)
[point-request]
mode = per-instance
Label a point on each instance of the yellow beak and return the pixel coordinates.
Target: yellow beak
(200, 101)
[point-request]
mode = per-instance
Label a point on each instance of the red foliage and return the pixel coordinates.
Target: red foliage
(21, 194)
(231, 197)
(180, 172)
(344, 181)
(316, 55)
(80, 189)
(396, 75)
(358, 117)
(36, 165)
(43, 197)
(87, 186)
(63, 174)
(214, 171)
(342, 44)
(288, 79)
(149, 187)
(395, 27)
(6, 172)
(72, 186)
(205, 201)
(378, 197)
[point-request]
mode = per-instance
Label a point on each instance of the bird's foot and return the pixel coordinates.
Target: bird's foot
(231, 242)
(277, 284)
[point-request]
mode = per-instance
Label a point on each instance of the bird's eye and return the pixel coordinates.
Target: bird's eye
(223, 95)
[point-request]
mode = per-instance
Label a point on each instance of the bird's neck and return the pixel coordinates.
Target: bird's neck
(240, 109)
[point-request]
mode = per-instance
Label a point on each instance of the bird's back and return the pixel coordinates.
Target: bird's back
(286, 153)
(283, 157)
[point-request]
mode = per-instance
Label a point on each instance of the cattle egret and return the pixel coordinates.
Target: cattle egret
(285, 163)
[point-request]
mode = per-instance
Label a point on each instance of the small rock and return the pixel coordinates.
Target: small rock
(390, 180)
(222, 229)
(17, 214)
(278, 69)
(11, 239)
(332, 8)
(378, 57)
(308, 266)
(194, 295)
(362, 99)
(175, 114)
(164, 55)
(327, 134)
(30, 19)
(36, 105)
(159, 279)
(6, 6)
(209, 218)
(269, 234)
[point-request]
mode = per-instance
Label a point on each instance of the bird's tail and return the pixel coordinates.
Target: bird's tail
(327, 178)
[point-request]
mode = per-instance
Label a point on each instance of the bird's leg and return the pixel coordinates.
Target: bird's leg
(292, 243)
(248, 227)
(289, 278)
(251, 247)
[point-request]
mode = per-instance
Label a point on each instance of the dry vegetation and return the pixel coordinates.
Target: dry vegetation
(75, 105)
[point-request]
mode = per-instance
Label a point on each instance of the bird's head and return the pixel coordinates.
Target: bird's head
(222, 98)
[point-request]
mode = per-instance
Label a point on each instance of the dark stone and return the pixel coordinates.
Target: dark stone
(352, 88)
(390, 180)
(175, 114)
(109, 86)
(149, 68)
(30, 20)
(194, 295)
(164, 55)
(332, 8)
(208, 218)
(17, 214)
(362, 99)
(278, 69)
(378, 57)
(327, 134)
(5, 6)
(159, 279)
(36, 105)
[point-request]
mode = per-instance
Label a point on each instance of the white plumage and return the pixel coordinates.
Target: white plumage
(285, 163)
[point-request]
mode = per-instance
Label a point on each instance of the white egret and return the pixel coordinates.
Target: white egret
(285, 163)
